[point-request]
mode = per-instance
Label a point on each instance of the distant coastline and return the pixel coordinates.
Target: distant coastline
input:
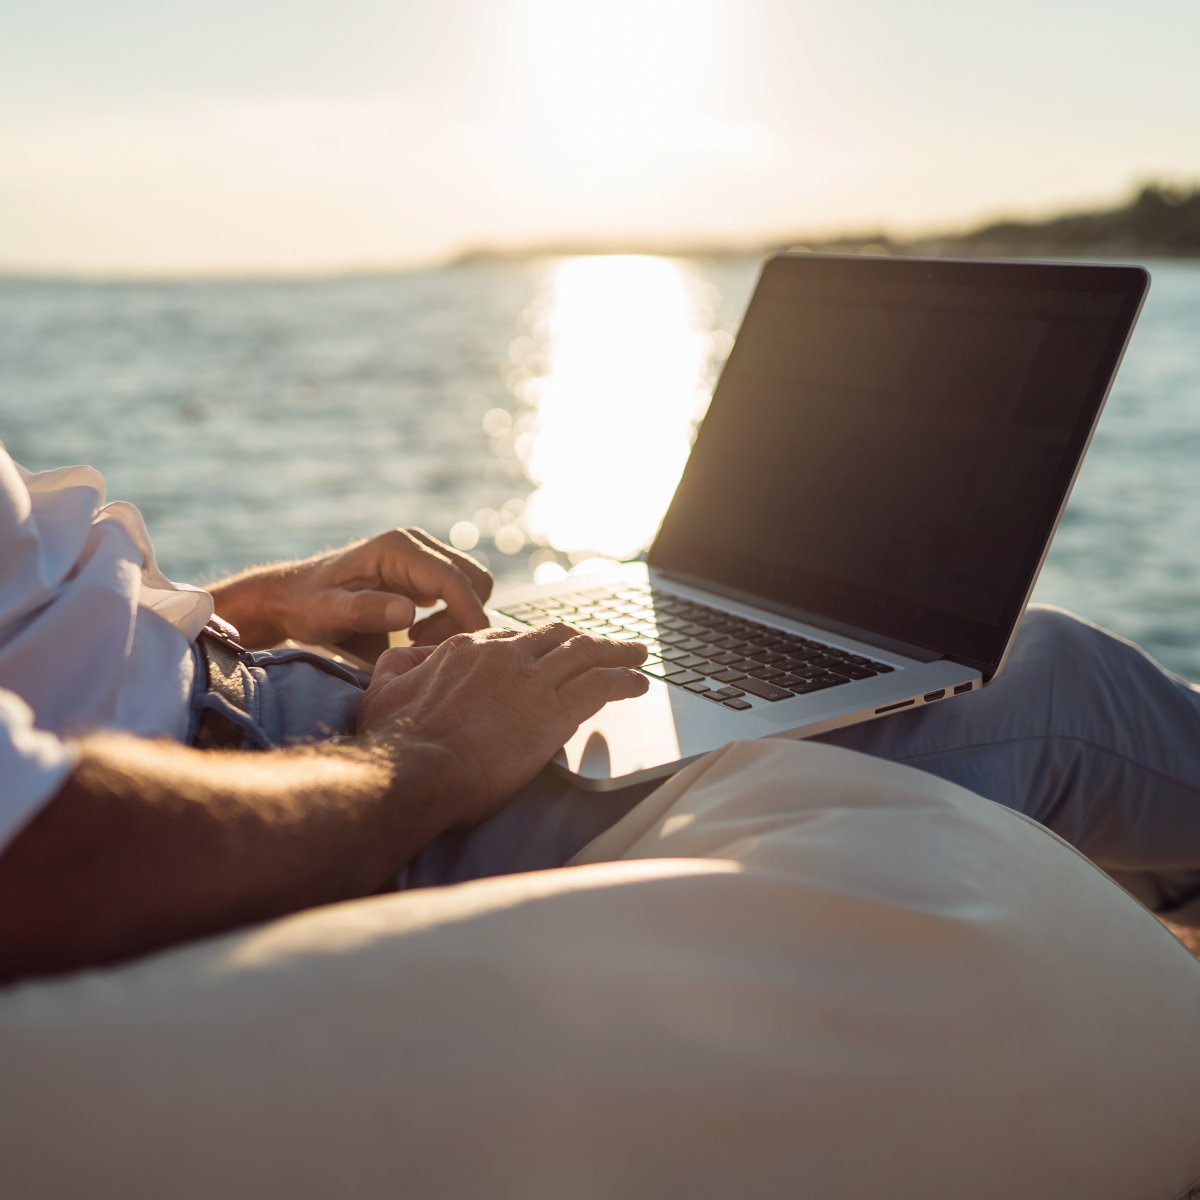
(1158, 221)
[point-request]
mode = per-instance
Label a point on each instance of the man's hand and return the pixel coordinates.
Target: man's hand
(495, 706)
(373, 586)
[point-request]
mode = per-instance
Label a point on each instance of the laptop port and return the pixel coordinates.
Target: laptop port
(930, 696)
(962, 689)
(887, 708)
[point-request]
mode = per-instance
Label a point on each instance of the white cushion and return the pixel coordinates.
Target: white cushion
(812, 974)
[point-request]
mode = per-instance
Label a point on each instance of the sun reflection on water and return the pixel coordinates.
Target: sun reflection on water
(616, 375)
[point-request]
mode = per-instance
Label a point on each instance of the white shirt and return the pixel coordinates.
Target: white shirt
(92, 634)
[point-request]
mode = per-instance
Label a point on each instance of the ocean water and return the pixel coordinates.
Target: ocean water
(535, 413)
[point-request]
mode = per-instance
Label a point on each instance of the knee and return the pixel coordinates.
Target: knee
(1052, 640)
(1055, 630)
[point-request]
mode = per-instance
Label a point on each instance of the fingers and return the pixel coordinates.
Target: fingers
(558, 655)
(561, 652)
(545, 637)
(587, 694)
(421, 567)
(372, 612)
(557, 652)
(478, 576)
(578, 653)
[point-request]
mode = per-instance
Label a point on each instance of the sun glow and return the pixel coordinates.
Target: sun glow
(625, 344)
(617, 71)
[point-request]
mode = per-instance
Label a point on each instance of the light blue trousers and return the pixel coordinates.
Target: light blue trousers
(1082, 731)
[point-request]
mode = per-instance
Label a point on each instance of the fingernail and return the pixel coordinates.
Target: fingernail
(398, 613)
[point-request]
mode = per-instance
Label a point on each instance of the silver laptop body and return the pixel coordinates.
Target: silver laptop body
(867, 504)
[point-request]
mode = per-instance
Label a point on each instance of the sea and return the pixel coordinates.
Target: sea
(535, 413)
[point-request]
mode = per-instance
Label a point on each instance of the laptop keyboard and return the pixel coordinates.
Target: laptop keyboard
(728, 659)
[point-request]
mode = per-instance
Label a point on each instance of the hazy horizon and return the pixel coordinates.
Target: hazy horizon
(748, 244)
(206, 140)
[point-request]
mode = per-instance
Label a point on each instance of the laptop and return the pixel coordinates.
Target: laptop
(865, 509)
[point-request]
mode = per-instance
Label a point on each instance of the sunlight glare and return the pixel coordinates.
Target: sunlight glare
(612, 68)
(628, 341)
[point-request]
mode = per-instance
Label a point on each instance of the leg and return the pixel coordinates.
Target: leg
(1085, 733)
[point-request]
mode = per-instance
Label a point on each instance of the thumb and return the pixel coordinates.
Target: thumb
(373, 612)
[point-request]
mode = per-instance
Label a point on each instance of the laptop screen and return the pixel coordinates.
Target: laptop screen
(891, 441)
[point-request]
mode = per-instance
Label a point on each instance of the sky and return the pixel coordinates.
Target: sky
(225, 136)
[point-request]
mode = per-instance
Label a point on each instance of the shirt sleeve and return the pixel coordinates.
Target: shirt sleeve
(34, 764)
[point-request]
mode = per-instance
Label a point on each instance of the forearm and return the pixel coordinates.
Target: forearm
(149, 844)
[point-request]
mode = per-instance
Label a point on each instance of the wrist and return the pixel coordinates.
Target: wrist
(256, 603)
(271, 594)
(424, 789)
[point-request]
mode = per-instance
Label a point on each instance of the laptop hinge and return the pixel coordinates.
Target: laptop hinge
(893, 645)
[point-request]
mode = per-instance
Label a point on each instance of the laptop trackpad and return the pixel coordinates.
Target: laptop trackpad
(650, 733)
